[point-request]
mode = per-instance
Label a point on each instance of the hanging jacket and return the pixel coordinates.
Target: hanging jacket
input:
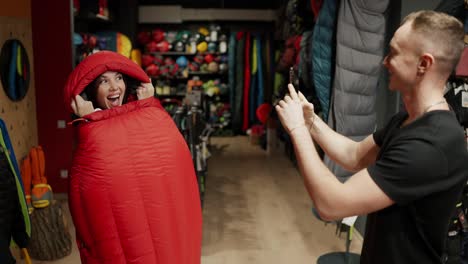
(232, 69)
(133, 190)
(323, 54)
(247, 77)
(237, 113)
(304, 69)
(254, 80)
(260, 91)
(269, 69)
(14, 216)
(454, 8)
(359, 54)
(316, 5)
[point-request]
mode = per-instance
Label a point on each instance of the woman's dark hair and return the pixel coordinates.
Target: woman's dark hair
(90, 92)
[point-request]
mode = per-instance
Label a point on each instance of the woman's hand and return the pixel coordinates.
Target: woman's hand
(290, 111)
(145, 90)
(81, 107)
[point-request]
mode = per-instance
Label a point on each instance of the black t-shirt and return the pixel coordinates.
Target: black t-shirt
(422, 167)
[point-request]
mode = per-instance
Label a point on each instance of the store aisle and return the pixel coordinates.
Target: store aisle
(257, 210)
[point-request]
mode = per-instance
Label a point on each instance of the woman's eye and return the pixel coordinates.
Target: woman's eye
(103, 81)
(119, 78)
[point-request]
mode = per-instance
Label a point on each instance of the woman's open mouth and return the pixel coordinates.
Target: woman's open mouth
(114, 100)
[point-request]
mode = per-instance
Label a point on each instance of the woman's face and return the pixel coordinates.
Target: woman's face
(110, 90)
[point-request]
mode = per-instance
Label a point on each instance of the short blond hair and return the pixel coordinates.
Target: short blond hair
(443, 31)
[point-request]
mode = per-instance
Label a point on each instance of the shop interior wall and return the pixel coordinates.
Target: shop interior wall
(52, 40)
(20, 117)
(52, 25)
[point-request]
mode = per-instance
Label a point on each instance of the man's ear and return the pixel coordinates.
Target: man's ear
(425, 63)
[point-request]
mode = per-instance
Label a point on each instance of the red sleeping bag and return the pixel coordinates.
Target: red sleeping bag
(133, 191)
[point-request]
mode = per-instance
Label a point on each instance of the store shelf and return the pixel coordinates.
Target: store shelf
(92, 18)
(209, 73)
(173, 53)
(176, 53)
(163, 96)
(168, 78)
(195, 79)
(180, 78)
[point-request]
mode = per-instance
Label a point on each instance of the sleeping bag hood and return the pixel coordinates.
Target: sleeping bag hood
(95, 65)
(133, 191)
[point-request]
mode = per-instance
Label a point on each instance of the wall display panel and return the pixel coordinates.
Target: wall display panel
(19, 116)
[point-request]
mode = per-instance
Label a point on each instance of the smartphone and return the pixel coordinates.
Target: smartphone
(292, 79)
(291, 75)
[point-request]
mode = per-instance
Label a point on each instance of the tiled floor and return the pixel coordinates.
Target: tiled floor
(256, 211)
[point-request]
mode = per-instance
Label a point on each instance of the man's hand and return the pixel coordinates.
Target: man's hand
(81, 107)
(290, 111)
(308, 109)
(145, 90)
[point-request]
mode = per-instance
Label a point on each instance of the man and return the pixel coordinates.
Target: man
(410, 174)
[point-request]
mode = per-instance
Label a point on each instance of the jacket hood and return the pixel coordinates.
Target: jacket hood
(95, 65)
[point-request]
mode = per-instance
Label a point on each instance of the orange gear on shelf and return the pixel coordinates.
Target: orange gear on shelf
(41, 194)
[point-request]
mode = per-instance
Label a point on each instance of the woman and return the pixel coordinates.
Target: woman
(107, 91)
(133, 190)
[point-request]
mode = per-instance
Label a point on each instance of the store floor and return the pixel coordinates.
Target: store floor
(256, 210)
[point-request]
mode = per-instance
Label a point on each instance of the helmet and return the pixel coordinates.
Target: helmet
(212, 47)
(202, 47)
(182, 61)
(213, 67)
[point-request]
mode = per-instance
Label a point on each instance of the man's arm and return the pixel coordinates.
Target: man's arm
(333, 199)
(351, 155)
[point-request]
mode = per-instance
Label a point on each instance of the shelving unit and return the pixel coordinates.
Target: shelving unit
(119, 18)
(176, 53)
(208, 73)
(213, 74)
(171, 80)
(92, 18)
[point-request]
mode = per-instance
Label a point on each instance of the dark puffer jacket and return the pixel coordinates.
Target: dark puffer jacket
(14, 219)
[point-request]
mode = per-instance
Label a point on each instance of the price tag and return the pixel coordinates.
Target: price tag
(464, 99)
(349, 221)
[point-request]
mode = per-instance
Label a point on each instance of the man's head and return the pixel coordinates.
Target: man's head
(440, 34)
(426, 41)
